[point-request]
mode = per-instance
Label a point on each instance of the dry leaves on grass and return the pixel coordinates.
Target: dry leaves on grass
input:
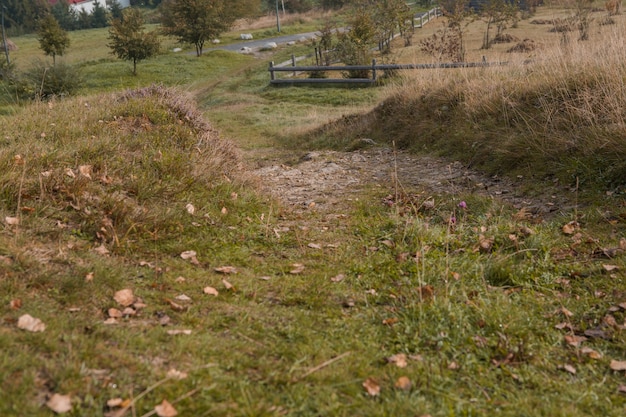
(124, 297)
(372, 387)
(226, 270)
(165, 409)
(59, 403)
(399, 359)
(618, 365)
(296, 269)
(30, 323)
(403, 383)
(191, 256)
(571, 228)
(210, 291)
(574, 340)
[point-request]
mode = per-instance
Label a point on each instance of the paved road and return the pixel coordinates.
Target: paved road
(258, 44)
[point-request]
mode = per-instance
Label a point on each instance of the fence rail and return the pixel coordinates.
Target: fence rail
(373, 70)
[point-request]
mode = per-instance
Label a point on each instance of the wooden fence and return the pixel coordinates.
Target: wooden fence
(372, 71)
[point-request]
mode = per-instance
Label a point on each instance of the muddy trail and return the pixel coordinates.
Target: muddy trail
(327, 179)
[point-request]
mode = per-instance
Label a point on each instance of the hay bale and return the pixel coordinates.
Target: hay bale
(527, 45)
(505, 38)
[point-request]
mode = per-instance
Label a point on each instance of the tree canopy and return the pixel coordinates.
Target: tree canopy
(53, 40)
(129, 41)
(196, 21)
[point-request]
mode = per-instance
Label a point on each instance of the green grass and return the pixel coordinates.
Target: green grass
(484, 330)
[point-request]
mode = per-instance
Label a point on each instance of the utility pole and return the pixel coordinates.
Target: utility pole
(277, 17)
(4, 38)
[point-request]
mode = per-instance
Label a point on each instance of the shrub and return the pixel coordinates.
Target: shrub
(45, 81)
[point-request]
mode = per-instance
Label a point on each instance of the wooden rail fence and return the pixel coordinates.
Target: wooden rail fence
(373, 71)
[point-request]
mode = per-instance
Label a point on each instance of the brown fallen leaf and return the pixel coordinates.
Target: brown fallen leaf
(296, 269)
(224, 210)
(175, 332)
(115, 402)
(618, 365)
(30, 323)
(228, 285)
(569, 368)
(226, 270)
(610, 268)
(101, 250)
(210, 291)
(175, 306)
(314, 246)
(12, 221)
(89, 277)
(85, 171)
(176, 374)
(15, 304)
(574, 340)
(390, 321)
(453, 366)
(593, 354)
(115, 313)
(403, 383)
(570, 228)
(338, 278)
(371, 386)
(190, 208)
(165, 409)
(59, 403)
(188, 254)
(399, 359)
(124, 297)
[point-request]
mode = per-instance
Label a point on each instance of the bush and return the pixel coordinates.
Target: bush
(45, 81)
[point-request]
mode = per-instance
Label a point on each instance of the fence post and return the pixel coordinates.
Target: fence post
(272, 70)
(293, 63)
(374, 69)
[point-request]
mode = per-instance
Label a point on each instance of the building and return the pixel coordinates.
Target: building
(88, 5)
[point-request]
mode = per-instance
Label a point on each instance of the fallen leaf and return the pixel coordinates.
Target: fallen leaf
(224, 210)
(188, 254)
(15, 304)
(70, 173)
(388, 243)
(566, 312)
(89, 277)
(621, 389)
(30, 323)
(175, 332)
(574, 340)
(59, 403)
(564, 325)
(485, 244)
(164, 320)
(110, 320)
(228, 285)
(569, 368)
(618, 365)
(176, 374)
(265, 278)
(371, 386)
(399, 359)
(425, 292)
(610, 268)
(590, 352)
(314, 246)
(101, 250)
(453, 366)
(165, 409)
(570, 228)
(85, 171)
(226, 270)
(115, 402)
(390, 321)
(403, 383)
(115, 313)
(297, 269)
(175, 306)
(595, 333)
(12, 221)
(180, 279)
(129, 311)
(190, 208)
(338, 278)
(124, 297)
(210, 291)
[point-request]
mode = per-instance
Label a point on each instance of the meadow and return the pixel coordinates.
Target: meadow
(163, 272)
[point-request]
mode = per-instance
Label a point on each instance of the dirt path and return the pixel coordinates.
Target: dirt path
(325, 179)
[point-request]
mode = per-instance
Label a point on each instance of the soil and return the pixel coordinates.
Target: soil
(322, 180)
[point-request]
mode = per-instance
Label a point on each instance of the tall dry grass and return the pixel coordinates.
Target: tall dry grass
(560, 114)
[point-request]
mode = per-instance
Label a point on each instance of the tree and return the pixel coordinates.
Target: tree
(115, 9)
(99, 16)
(65, 14)
(498, 13)
(196, 21)
(53, 40)
(129, 41)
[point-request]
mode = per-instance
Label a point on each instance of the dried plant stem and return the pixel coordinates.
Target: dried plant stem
(322, 365)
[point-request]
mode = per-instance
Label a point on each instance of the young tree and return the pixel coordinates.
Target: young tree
(99, 16)
(498, 13)
(53, 40)
(65, 14)
(196, 21)
(129, 41)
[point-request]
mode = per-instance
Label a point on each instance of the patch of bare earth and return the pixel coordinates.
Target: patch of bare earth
(328, 179)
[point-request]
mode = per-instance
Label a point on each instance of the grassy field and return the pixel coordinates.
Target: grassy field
(134, 231)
